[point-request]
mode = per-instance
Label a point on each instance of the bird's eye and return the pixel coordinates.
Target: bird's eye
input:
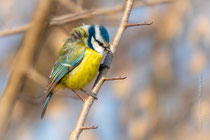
(100, 44)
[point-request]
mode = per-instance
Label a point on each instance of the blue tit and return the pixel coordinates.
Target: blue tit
(78, 60)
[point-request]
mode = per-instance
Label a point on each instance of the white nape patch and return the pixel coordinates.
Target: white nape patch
(97, 33)
(96, 46)
(86, 27)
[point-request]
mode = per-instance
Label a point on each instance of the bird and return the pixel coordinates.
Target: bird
(78, 60)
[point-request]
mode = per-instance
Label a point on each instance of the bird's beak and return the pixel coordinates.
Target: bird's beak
(107, 48)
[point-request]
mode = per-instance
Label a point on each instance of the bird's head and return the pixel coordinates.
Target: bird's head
(98, 38)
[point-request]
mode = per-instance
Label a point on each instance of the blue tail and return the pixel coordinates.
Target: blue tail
(46, 103)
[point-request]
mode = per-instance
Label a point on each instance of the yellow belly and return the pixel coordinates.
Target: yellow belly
(85, 72)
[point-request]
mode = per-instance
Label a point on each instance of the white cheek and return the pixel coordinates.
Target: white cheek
(96, 46)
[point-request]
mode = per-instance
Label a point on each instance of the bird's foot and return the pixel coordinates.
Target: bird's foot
(102, 66)
(90, 94)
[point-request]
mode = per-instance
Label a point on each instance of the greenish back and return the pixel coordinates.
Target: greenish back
(69, 57)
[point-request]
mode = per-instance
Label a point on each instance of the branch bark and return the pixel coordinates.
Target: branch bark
(84, 14)
(102, 75)
(23, 61)
(15, 30)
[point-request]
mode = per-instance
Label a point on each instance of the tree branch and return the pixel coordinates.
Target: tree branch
(15, 30)
(115, 78)
(84, 14)
(23, 61)
(88, 128)
(67, 18)
(139, 24)
(102, 75)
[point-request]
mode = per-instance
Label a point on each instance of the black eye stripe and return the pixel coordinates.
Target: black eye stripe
(101, 44)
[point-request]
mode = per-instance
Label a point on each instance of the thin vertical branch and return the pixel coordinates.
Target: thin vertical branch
(102, 75)
(23, 61)
(200, 87)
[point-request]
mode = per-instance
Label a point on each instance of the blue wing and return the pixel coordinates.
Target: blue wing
(69, 57)
(46, 103)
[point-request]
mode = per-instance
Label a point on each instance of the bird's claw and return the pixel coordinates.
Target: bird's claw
(90, 94)
(103, 66)
(93, 95)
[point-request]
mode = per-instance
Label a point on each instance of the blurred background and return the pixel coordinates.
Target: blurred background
(166, 93)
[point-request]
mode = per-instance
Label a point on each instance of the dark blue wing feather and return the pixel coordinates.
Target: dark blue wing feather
(46, 103)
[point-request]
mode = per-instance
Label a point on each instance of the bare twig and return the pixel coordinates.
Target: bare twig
(88, 128)
(64, 19)
(15, 30)
(139, 24)
(102, 75)
(84, 14)
(24, 59)
(115, 78)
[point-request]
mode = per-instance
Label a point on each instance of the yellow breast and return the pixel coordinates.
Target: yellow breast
(85, 72)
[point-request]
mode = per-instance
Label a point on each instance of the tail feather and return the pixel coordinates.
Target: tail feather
(46, 103)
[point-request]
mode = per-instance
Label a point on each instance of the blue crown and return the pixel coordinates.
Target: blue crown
(104, 33)
(91, 33)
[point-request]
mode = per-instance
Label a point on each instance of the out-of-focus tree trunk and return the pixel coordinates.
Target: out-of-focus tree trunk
(22, 64)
